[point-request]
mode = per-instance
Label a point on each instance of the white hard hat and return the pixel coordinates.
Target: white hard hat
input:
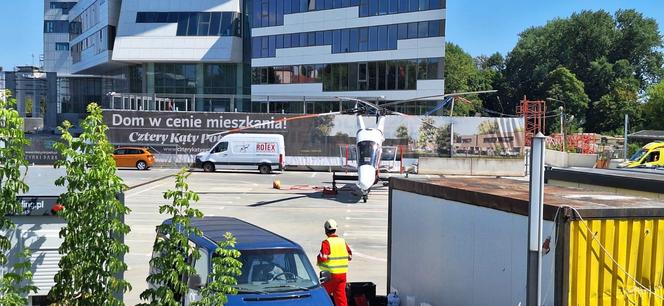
(330, 225)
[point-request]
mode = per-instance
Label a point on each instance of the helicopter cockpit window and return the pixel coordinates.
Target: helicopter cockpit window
(368, 153)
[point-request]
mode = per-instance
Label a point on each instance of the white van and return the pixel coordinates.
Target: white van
(264, 152)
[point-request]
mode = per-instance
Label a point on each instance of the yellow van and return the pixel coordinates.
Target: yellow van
(650, 156)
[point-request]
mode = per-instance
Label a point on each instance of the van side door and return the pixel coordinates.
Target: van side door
(219, 155)
(244, 155)
(200, 278)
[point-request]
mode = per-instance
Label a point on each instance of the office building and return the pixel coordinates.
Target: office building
(291, 56)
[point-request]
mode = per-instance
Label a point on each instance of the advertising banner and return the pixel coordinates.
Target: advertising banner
(187, 133)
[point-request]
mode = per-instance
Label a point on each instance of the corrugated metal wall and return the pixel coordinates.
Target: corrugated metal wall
(636, 245)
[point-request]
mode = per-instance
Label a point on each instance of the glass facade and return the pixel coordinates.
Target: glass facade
(62, 46)
(56, 26)
(181, 78)
(175, 78)
(375, 38)
(269, 13)
(359, 76)
(197, 23)
(64, 7)
(101, 41)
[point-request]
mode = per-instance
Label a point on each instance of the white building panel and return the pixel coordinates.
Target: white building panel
(424, 88)
(450, 253)
(178, 49)
(158, 42)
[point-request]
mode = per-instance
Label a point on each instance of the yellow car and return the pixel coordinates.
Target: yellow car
(650, 156)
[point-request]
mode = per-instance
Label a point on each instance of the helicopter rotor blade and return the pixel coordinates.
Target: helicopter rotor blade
(456, 94)
(369, 104)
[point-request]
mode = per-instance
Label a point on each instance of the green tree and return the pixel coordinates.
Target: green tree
(563, 86)
(609, 112)
(488, 127)
(225, 269)
(462, 74)
(654, 108)
(443, 141)
(427, 135)
(15, 284)
(601, 50)
(639, 42)
(172, 266)
(402, 132)
(92, 250)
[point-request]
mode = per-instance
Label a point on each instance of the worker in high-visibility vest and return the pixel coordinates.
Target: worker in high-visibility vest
(333, 258)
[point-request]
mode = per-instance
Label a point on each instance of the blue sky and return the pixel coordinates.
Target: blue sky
(478, 26)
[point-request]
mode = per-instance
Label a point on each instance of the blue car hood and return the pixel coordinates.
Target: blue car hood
(315, 297)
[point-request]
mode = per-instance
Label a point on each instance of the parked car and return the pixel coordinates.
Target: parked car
(264, 152)
(140, 158)
(275, 270)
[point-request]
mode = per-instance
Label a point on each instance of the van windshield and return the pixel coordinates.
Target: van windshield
(637, 156)
(279, 270)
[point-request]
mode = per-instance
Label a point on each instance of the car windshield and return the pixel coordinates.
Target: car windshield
(637, 156)
(279, 270)
(368, 153)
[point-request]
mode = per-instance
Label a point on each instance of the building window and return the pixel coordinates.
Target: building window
(268, 13)
(375, 38)
(175, 78)
(64, 7)
(377, 75)
(56, 26)
(62, 46)
(197, 23)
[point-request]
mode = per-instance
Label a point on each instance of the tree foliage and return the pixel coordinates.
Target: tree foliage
(92, 249)
(462, 74)
(170, 267)
(654, 108)
(16, 283)
(592, 60)
(225, 269)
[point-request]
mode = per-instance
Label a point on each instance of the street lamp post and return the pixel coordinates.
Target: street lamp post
(562, 130)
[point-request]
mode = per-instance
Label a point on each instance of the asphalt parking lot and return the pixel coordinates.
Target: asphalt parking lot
(297, 212)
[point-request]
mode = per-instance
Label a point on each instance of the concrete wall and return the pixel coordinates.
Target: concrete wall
(450, 253)
(472, 166)
(566, 160)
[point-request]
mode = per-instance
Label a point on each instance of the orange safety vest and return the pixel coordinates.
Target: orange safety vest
(337, 261)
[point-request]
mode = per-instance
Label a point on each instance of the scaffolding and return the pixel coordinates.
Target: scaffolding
(534, 118)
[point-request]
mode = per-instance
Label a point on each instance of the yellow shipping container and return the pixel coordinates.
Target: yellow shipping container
(628, 267)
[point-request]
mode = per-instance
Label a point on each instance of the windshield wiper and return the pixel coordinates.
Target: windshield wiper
(249, 291)
(288, 286)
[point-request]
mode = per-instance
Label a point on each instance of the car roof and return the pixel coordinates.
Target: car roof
(139, 148)
(253, 135)
(248, 236)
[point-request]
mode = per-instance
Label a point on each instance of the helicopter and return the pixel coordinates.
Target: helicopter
(369, 141)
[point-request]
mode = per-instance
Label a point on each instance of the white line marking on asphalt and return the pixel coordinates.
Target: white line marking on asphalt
(354, 218)
(366, 233)
(377, 211)
(371, 226)
(131, 194)
(369, 257)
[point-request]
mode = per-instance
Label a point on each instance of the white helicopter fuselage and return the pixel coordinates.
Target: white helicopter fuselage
(369, 142)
